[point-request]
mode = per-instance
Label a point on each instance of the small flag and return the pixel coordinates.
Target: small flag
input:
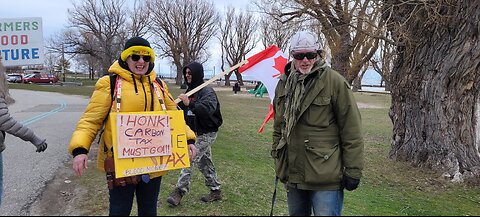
(266, 66)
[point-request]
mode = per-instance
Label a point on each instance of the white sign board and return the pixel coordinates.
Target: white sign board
(21, 41)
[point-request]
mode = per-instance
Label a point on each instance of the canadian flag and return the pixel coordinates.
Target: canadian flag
(266, 66)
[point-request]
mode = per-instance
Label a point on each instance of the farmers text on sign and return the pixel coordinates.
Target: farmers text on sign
(21, 41)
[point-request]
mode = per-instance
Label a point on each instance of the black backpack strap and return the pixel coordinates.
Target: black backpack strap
(113, 81)
(159, 81)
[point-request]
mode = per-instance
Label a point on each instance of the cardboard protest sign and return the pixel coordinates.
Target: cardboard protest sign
(146, 142)
(141, 135)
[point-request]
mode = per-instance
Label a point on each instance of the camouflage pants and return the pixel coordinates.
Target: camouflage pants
(204, 163)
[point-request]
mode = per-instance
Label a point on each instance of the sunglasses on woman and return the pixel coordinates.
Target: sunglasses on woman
(137, 58)
(301, 56)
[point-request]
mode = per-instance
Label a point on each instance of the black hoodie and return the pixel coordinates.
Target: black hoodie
(203, 113)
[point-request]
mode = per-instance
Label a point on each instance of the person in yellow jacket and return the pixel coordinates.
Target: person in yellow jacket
(135, 80)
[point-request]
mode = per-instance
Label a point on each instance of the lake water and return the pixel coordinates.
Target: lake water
(371, 77)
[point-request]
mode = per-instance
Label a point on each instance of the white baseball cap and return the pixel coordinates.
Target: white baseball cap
(304, 40)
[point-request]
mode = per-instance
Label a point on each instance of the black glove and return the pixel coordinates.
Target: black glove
(42, 147)
(350, 183)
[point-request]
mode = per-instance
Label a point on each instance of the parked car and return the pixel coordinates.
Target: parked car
(25, 77)
(40, 78)
(14, 78)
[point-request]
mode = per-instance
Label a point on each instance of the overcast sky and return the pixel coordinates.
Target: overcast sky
(54, 16)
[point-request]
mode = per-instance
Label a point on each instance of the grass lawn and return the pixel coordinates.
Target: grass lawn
(245, 169)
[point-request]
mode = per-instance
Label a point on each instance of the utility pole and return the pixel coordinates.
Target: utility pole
(63, 63)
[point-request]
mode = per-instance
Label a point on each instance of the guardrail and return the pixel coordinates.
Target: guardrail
(70, 83)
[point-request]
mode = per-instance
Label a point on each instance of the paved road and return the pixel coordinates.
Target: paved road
(52, 116)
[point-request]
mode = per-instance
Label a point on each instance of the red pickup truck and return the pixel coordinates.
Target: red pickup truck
(40, 78)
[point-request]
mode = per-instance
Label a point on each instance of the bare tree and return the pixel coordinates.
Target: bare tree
(274, 31)
(90, 63)
(382, 62)
(99, 28)
(435, 85)
(50, 60)
(139, 24)
(357, 82)
(81, 45)
(237, 38)
(103, 21)
(62, 64)
(349, 27)
(183, 28)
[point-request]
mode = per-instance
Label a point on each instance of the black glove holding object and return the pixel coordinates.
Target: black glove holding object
(350, 183)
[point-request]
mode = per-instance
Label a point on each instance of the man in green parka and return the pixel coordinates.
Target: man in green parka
(317, 139)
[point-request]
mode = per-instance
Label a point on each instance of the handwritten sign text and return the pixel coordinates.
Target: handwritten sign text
(143, 135)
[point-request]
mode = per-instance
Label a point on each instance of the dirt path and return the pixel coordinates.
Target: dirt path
(26, 174)
(60, 197)
(367, 106)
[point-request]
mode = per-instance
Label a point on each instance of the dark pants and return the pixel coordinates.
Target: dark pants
(121, 198)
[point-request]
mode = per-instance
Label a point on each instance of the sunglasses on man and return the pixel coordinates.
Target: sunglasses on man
(301, 56)
(137, 58)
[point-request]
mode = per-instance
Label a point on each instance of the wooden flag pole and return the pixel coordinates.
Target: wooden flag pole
(189, 93)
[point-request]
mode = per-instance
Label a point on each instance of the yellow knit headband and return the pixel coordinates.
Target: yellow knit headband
(138, 50)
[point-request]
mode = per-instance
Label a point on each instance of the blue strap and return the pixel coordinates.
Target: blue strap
(146, 178)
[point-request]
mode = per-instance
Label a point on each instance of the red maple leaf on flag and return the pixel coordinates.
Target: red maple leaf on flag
(280, 63)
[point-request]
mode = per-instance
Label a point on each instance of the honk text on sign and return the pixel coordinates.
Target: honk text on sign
(21, 41)
(148, 142)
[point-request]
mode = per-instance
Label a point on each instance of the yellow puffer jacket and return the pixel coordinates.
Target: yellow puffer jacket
(99, 106)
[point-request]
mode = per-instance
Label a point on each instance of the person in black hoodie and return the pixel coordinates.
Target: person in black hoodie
(202, 114)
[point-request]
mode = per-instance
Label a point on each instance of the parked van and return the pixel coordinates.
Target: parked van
(40, 78)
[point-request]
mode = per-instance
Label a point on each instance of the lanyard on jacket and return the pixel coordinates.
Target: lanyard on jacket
(118, 98)
(156, 86)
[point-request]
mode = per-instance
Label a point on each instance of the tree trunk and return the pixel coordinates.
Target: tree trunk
(357, 84)
(104, 69)
(179, 78)
(227, 79)
(179, 67)
(341, 60)
(91, 73)
(435, 93)
(387, 85)
(239, 77)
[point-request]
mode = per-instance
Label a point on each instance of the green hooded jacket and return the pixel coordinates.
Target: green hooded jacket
(326, 140)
